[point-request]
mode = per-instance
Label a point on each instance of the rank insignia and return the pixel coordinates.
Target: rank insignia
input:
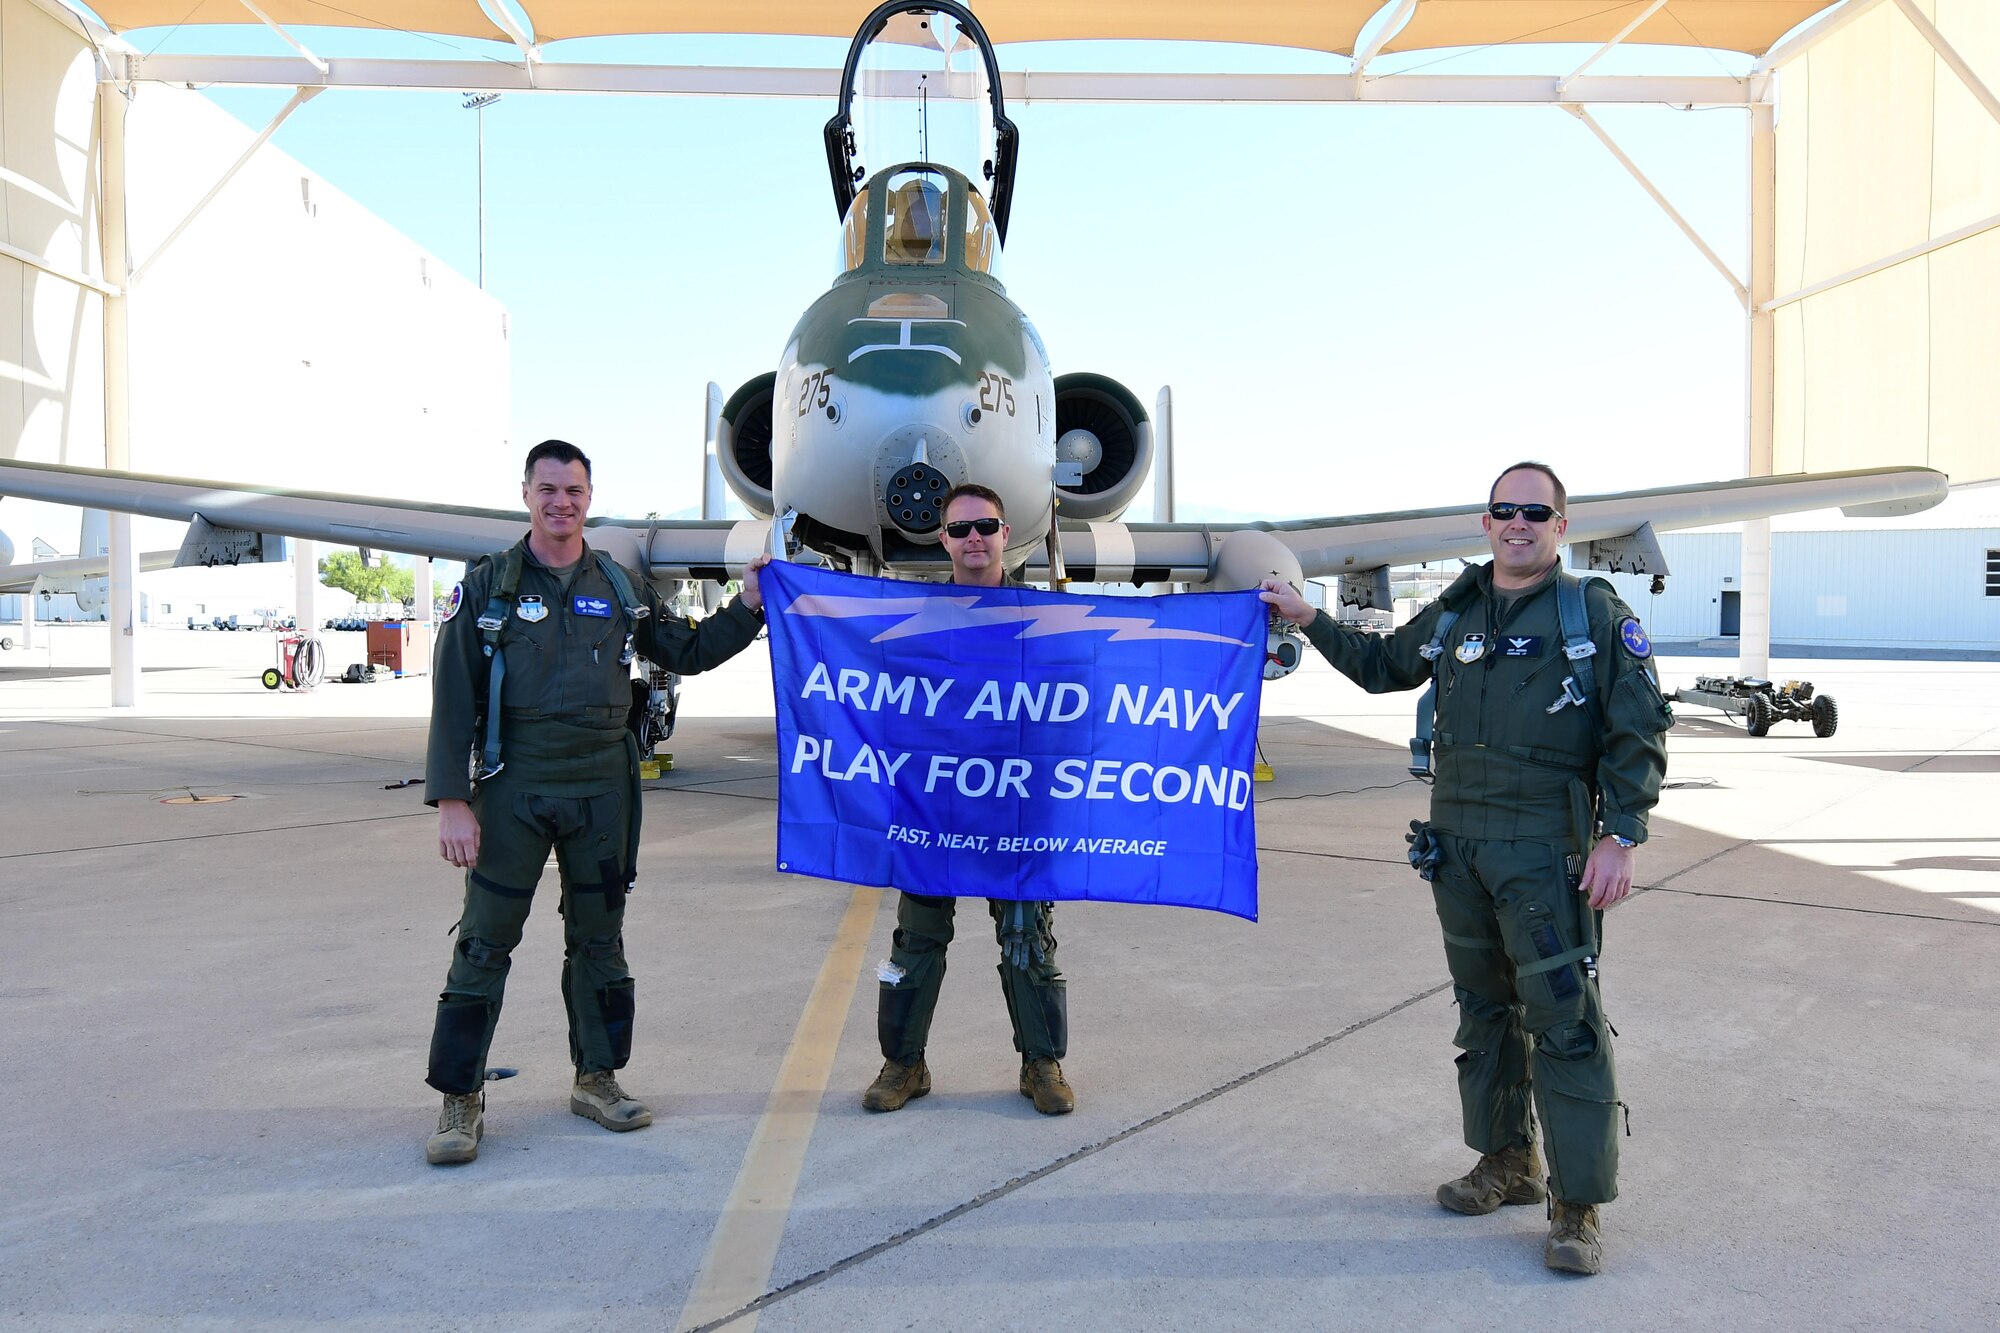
(453, 602)
(531, 609)
(1471, 649)
(1633, 635)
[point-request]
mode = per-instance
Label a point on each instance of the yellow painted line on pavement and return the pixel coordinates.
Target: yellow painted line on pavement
(744, 1248)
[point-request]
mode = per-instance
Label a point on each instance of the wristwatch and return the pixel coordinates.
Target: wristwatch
(1621, 840)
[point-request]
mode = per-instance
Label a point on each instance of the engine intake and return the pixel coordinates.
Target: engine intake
(743, 444)
(1104, 446)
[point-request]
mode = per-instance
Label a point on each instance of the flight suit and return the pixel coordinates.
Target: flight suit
(1521, 795)
(568, 781)
(1037, 997)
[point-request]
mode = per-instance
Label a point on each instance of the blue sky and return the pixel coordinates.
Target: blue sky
(1358, 307)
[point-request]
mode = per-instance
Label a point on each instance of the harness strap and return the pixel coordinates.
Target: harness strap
(621, 585)
(492, 622)
(1581, 685)
(1420, 744)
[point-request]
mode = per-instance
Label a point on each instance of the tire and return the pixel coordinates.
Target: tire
(1757, 717)
(1825, 716)
(271, 678)
(6, 645)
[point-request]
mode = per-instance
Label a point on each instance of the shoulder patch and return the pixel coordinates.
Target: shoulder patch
(454, 601)
(1633, 635)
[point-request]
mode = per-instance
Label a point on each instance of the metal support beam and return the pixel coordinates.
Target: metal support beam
(299, 98)
(124, 556)
(1163, 456)
(1966, 232)
(305, 583)
(35, 261)
(530, 53)
(1606, 49)
(1404, 8)
(1753, 647)
(290, 40)
(423, 597)
(1800, 43)
(1687, 228)
(1949, 54)
(458, 76)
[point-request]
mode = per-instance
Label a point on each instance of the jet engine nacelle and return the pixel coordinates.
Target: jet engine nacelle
(1104, 446)
(743, 444)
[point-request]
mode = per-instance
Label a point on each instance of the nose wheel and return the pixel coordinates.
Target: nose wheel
(915, 497)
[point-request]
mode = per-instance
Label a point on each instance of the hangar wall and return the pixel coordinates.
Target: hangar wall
(1912, 587)
(1882, 148)
(287, 337)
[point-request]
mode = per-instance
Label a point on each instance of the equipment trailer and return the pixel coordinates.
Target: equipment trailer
(1760, 703)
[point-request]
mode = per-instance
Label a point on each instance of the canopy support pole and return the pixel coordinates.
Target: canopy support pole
(290, 40)
(1562, 87)
(1753, 646)
(1687, 228)
(299, 98)
(1949, 54)
(115, 261)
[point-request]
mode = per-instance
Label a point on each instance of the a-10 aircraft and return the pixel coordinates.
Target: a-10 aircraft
(915, 372)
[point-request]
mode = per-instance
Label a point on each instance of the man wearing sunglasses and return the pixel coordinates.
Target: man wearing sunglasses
(1549, 746)
(975, 537)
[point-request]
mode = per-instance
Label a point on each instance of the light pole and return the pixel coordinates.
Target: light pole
(477, 104)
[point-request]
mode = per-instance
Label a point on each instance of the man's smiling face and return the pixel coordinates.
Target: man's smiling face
(558, 499)
(1523, 550)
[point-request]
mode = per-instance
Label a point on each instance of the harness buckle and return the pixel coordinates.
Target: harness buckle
(1571, 695)
(1576, 652)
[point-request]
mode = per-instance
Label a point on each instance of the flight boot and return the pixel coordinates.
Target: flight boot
(598, 1097)
(1512, 1175)
(1574, 1243)
(897, 1084)
(460, 1125)
(1042, 1081)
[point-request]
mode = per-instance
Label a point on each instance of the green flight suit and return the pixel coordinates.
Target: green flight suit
(1513, 783)
(568, 781)
(1037, 997)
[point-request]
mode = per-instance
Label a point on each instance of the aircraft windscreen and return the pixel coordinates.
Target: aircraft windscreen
(913, 226)
(921, 95)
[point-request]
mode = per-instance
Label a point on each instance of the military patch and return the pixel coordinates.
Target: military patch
(1471, 649)
(531, 609)
(1519, 645)
(590, 606)
(454, 601)
(1633, 635)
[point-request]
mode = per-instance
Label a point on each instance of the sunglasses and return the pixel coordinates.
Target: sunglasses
(965, 527)
(1505, 511)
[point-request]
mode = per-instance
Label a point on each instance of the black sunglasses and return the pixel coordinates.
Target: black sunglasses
(965, 527)
(1505, 510)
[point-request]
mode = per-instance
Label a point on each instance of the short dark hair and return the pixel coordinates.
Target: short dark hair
(562, 451)
(977, 492)
(1529, 465)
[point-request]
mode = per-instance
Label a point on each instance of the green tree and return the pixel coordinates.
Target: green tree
(385, 583)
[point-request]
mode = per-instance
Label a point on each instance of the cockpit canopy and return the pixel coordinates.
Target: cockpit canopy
(928, 216)
(922, 86)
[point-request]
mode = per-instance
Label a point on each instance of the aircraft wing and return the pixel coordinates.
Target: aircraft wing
(21, 578)
(1325, 547)
(668, 549)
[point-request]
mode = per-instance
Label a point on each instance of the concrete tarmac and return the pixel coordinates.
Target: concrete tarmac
(214, 1015)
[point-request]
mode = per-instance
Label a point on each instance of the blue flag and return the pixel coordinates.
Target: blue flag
(1013, 743)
